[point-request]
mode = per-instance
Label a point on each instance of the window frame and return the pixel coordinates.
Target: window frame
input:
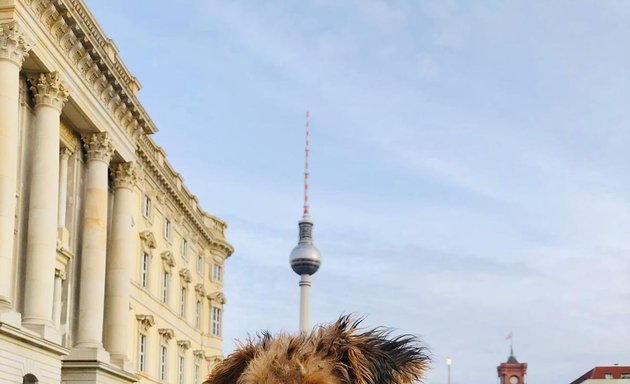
(183, 292)
(200, 264)
(198, 313)
(184, 249)
(146, 207)
(166, 277)
(144, 270)
(142, 352)
(181, 370)
(163, 373)
(167, 229)
(217, 273)
(215, 321)
(197, 378)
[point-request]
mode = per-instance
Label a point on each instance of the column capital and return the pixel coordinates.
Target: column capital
(48, 89)
(64, 153)
(13, 45)
(98, 147)
(125, 175)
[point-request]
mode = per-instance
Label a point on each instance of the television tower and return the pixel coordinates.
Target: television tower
(305, 258)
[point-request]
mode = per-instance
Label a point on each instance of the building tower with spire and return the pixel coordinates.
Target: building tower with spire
(305, 258)
(512, 372)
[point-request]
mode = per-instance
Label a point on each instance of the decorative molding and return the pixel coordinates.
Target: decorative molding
(125, 175)
(168, 260)
(216, 359)
(64, 154)
(217, 297)
(98, 147)
(48, 89)
(186, 276)
(148, 241)
(60, 273)
(200, 291)
(166, 333)
(13, 45)
(199, 354)
(183, 345)
(69, 138)
(145, 322)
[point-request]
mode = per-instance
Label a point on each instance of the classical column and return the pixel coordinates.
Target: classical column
(123, 247)
(13, 50)
(62, 235)
(94, 247)
(41, 242)
(60, 276)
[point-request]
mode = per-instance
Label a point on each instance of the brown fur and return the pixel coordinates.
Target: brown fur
(338, 353)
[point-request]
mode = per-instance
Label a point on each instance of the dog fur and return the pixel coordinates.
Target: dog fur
(338, 353)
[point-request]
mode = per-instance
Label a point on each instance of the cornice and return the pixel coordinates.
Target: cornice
(96, 59)
(212, 228)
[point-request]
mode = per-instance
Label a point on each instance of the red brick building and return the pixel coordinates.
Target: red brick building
(620, 374)
(512, 372)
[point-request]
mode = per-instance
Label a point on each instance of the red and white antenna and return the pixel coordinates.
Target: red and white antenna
(306, 149)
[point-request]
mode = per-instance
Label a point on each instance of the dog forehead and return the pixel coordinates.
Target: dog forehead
(284, 361)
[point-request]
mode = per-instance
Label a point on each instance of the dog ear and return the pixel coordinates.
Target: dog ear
(229, 370)
(373, 357)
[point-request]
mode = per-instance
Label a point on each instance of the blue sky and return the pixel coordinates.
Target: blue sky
(469, 164)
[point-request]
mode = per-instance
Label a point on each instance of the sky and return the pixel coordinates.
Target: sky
(469, 165)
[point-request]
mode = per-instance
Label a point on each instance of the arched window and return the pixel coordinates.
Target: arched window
(29, 378)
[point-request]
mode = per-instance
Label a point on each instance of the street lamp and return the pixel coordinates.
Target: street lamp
(449, 362)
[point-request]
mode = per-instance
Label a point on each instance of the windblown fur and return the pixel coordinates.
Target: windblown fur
(338, 353)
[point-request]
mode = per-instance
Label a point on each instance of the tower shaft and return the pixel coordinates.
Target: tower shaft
(305, 291)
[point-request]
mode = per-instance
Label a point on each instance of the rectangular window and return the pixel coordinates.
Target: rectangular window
(198, 314)
(197, 372)
(200, 265)
(216, 321)
(180, 376)
(182, 302)
(146, 207)
(165, 279)
(608, 376)
(144, 274)
(217, 273)
(625, 375)
(163, 359)
(142, 351)
(167, 229)
(184, 248)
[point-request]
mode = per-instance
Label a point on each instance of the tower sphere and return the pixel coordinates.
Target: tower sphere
(305, 259)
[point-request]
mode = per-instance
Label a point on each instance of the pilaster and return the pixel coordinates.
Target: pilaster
(63, 236)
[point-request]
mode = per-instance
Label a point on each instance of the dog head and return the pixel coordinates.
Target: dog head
(339, 353)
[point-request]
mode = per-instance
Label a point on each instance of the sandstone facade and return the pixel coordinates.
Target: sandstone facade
(110, 272)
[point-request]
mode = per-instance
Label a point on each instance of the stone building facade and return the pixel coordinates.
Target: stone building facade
(110, 271)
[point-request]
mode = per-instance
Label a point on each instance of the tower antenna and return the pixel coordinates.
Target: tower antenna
(306, 171)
